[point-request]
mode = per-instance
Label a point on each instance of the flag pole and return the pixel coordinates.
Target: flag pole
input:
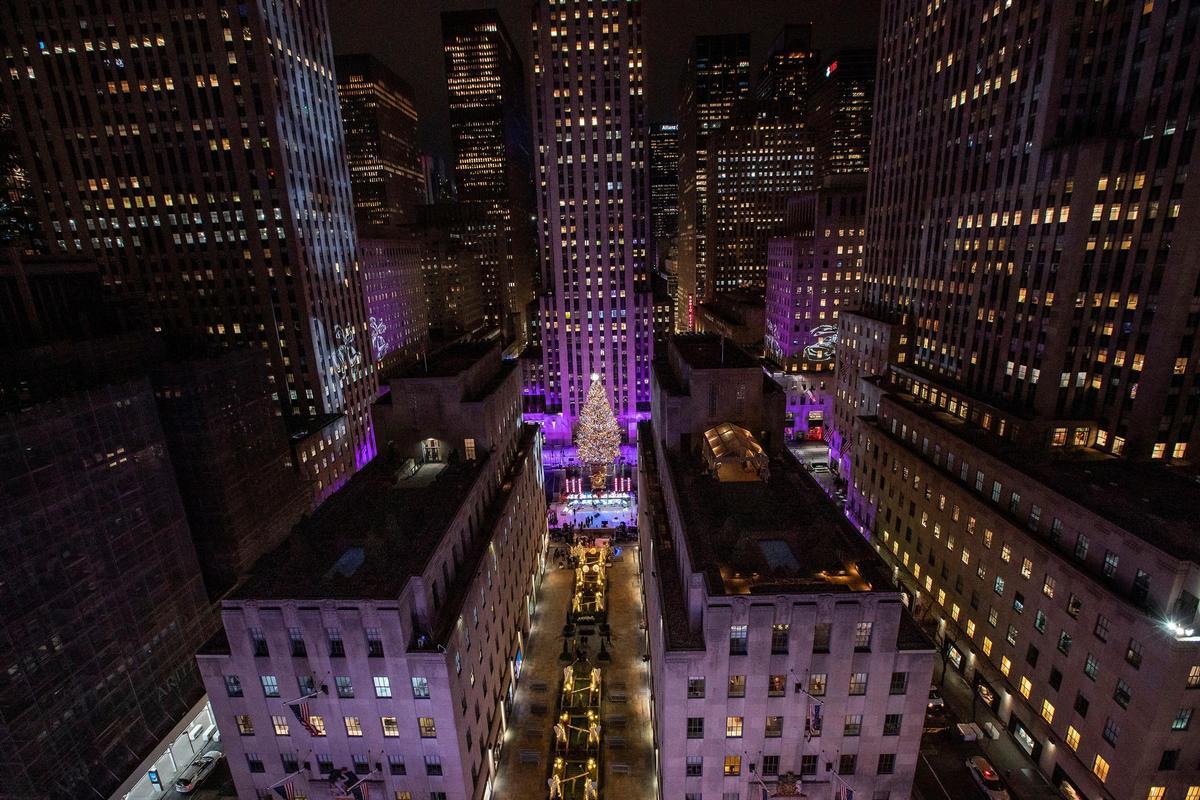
(285, 779)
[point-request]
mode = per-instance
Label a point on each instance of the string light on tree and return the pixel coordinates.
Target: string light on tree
(597, 434)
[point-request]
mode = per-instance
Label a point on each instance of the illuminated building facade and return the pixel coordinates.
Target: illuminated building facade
(776, 646)
(715, 80)
(840, 114)
(397, 303)
(399, 613)
(1027, 469)
(592, 205)
(755, 166)
(206, 174)
(380, 121)
(493, 158)
(664, 189)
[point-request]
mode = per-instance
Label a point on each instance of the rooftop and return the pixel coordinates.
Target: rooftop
(369, 538)
(452, 360)
(706, 351)
(1155, 502)
(778, 535)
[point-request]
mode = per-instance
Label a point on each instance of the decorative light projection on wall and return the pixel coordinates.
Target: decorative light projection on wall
(824, 344)
(378, 340)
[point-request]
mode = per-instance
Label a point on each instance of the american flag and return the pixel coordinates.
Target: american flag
(304, 717)
(285, 790)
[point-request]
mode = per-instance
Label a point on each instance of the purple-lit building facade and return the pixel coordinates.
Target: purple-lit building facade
(236, 233)
(813, 273)
(592, 207)
(399, 612)
(397, 311)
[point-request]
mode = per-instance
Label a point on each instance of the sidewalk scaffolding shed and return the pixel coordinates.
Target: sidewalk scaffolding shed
(733, 454)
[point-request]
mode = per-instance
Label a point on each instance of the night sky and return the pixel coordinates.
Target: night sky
(406, 34)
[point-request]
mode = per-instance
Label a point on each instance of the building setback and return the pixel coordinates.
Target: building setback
(715, 80)
(777, 650)
(399, 613)
(1026, 463)
(380, 121)
(493, 157)
(592, 205)
(202, 166)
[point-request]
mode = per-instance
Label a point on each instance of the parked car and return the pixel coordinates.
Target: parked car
(195, 773)
(935, 699)
(819, 467)
(985, 775)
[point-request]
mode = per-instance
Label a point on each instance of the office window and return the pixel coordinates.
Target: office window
(1064, 643)
(233, 686)
(427, 727)
(353, 726)
(1047, 711)
(307, 685)
(1156, 793)
(1048, 586)
(777, 686)
(733, 765)
(433, 765)
(245, 725)
(816, 684)
(695, 766)
(1100, 768)
(390, 726)
(383, 686)
(738, 635)
(1169, 760)
(808, 765)
(1111, 731)
(1026, 687)
(324, 763)
(360, 764)
(345, 689)
(420, 688)
(779, 639)
(847, 764)
(396, 765)
(254, 763)
(862, 636)
(270, 685)
(1091, 666)
(733, 727)
(258, 643)
(296, 640)
(1039, 621)
(336, 648)
(1183, 718)
(374, 643)
(280, 724)
(852, 725)
(774, 727)
(318, 724)
(1133, 654)
(887, 764)
(695, 728)
(892, 724)
(695, 688)
(737, 686)
(1082, 704)
(1121, 693)
(770, 765)
(899, 683)
(822, 632)
(1072, 738)
(858, 683)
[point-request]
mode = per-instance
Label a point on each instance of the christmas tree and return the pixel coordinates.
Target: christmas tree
(597, 434)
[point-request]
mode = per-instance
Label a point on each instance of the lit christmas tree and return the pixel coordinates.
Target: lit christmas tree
(597, 434)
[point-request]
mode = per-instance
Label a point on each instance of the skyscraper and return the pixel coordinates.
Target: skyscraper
(588, 108)
(380, 121)
(206, 173)
(840, 114)
(489, 124)
(1025, 467)
(716, 78)
(664, 189)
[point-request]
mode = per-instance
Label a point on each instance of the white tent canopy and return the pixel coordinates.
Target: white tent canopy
(733, 454)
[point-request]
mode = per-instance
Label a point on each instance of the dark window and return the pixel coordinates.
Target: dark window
(899, 683)
(695, 728)
(887, 764)
(396, 765)
(1121, 693)
(336, 648)
(374, 643)
(1133, 654)
(808, 765)
(847, 764)
(1081, 704)
(1031, 656)
(255, 763)
(770, 765)
(1055, 678)
(891, 724)
(821, 635)
(233, 686)
(1169, 759)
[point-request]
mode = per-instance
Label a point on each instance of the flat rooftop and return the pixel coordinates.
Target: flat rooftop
(1158, 503)
(705, 351)
(781, 535)
(369, 538)
(452, 360)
